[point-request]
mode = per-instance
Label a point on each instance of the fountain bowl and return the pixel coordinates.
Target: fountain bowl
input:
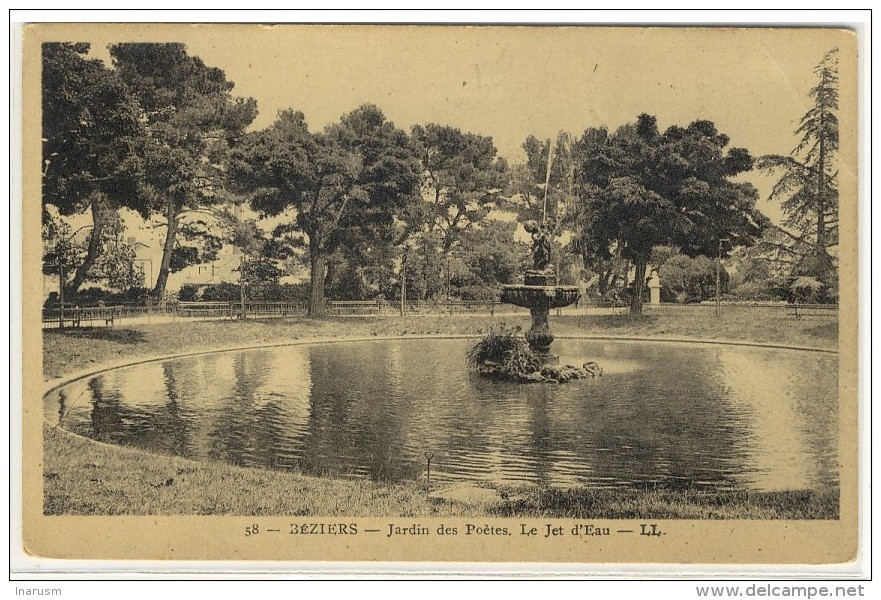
(529, 296)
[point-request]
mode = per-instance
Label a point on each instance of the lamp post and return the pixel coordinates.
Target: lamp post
(718, 277)
(448, 278)
(404, 284)
(242, 286)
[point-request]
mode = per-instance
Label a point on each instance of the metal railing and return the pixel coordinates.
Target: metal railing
(260, 309)
(204, 310)
(237, 310)
(457, 307)
(344, 308)
(93, 316)
(79, 317)
(750, 309)
(106, 316)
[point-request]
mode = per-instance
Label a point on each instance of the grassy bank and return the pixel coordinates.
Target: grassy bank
(82, 477)
(663, 504)
(86, 477)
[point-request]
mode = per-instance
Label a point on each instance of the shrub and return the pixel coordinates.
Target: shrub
(756, 291)
(94, 296)
(479, 293)
(231, 292)
(188, 292)
(505, 353)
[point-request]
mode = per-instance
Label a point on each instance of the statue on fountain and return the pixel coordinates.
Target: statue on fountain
(541, 244)
(541, 273)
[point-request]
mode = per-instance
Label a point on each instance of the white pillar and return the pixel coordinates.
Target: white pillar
(654, 289)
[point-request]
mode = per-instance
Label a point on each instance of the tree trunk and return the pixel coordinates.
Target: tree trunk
(638, 285)
(821, 198)
(330, 271)
(823, 265)
(603, 281)
(318, 264)
(94, 250)
(449, 238)
(170, 238)
(426, 269)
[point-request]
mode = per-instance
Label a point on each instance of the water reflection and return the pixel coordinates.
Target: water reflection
(663, 415)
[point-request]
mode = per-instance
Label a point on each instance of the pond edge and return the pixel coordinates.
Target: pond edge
(57, 383)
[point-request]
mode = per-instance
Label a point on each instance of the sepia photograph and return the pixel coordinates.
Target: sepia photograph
(440, 293)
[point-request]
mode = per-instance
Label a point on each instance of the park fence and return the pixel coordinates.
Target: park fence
(107, 316)
(748, 310)
(93, 316)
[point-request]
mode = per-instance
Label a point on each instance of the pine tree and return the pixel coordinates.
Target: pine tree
(808, 187)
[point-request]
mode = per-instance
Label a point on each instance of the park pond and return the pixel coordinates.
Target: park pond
(664, 415)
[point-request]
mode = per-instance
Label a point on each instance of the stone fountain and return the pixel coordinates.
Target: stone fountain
(539, 294)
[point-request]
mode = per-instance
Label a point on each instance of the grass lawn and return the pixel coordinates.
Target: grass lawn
(86, 477)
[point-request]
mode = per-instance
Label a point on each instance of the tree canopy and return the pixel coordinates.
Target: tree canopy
(161, 133)
(90, 131)
(357, 173)
(191, 120)
(92, 137)
(640, 188)
(462, 177)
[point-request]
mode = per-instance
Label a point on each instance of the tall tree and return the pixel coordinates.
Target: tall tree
(192, 120)
(488, 258)
(688, 279)
(91, 141)
(356, 174)
(549, 190)
(364, 267)
(642, 188)
(116, 267)
(462, 177)
(64, 249)
(808, 188)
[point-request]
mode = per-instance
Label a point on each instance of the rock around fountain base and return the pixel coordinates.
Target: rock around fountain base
(504, 355)
(547, 374)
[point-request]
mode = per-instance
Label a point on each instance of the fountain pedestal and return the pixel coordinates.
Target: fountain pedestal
(539, 295)
(540, 337)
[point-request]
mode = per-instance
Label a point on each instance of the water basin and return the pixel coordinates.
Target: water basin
(663, 415)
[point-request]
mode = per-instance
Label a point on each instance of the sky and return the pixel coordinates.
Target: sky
(512, 81)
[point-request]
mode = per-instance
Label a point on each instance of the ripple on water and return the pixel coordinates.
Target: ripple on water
(666, 416)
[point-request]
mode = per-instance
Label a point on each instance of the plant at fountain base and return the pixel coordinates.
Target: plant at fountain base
(503, 354)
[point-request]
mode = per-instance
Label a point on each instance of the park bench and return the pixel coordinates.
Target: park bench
(799, 311)
(93, 314)
(471, 306)
(203, 309)
(354, 307)
(76, 317)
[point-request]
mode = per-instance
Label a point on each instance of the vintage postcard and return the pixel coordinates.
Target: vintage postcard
(487, 294)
